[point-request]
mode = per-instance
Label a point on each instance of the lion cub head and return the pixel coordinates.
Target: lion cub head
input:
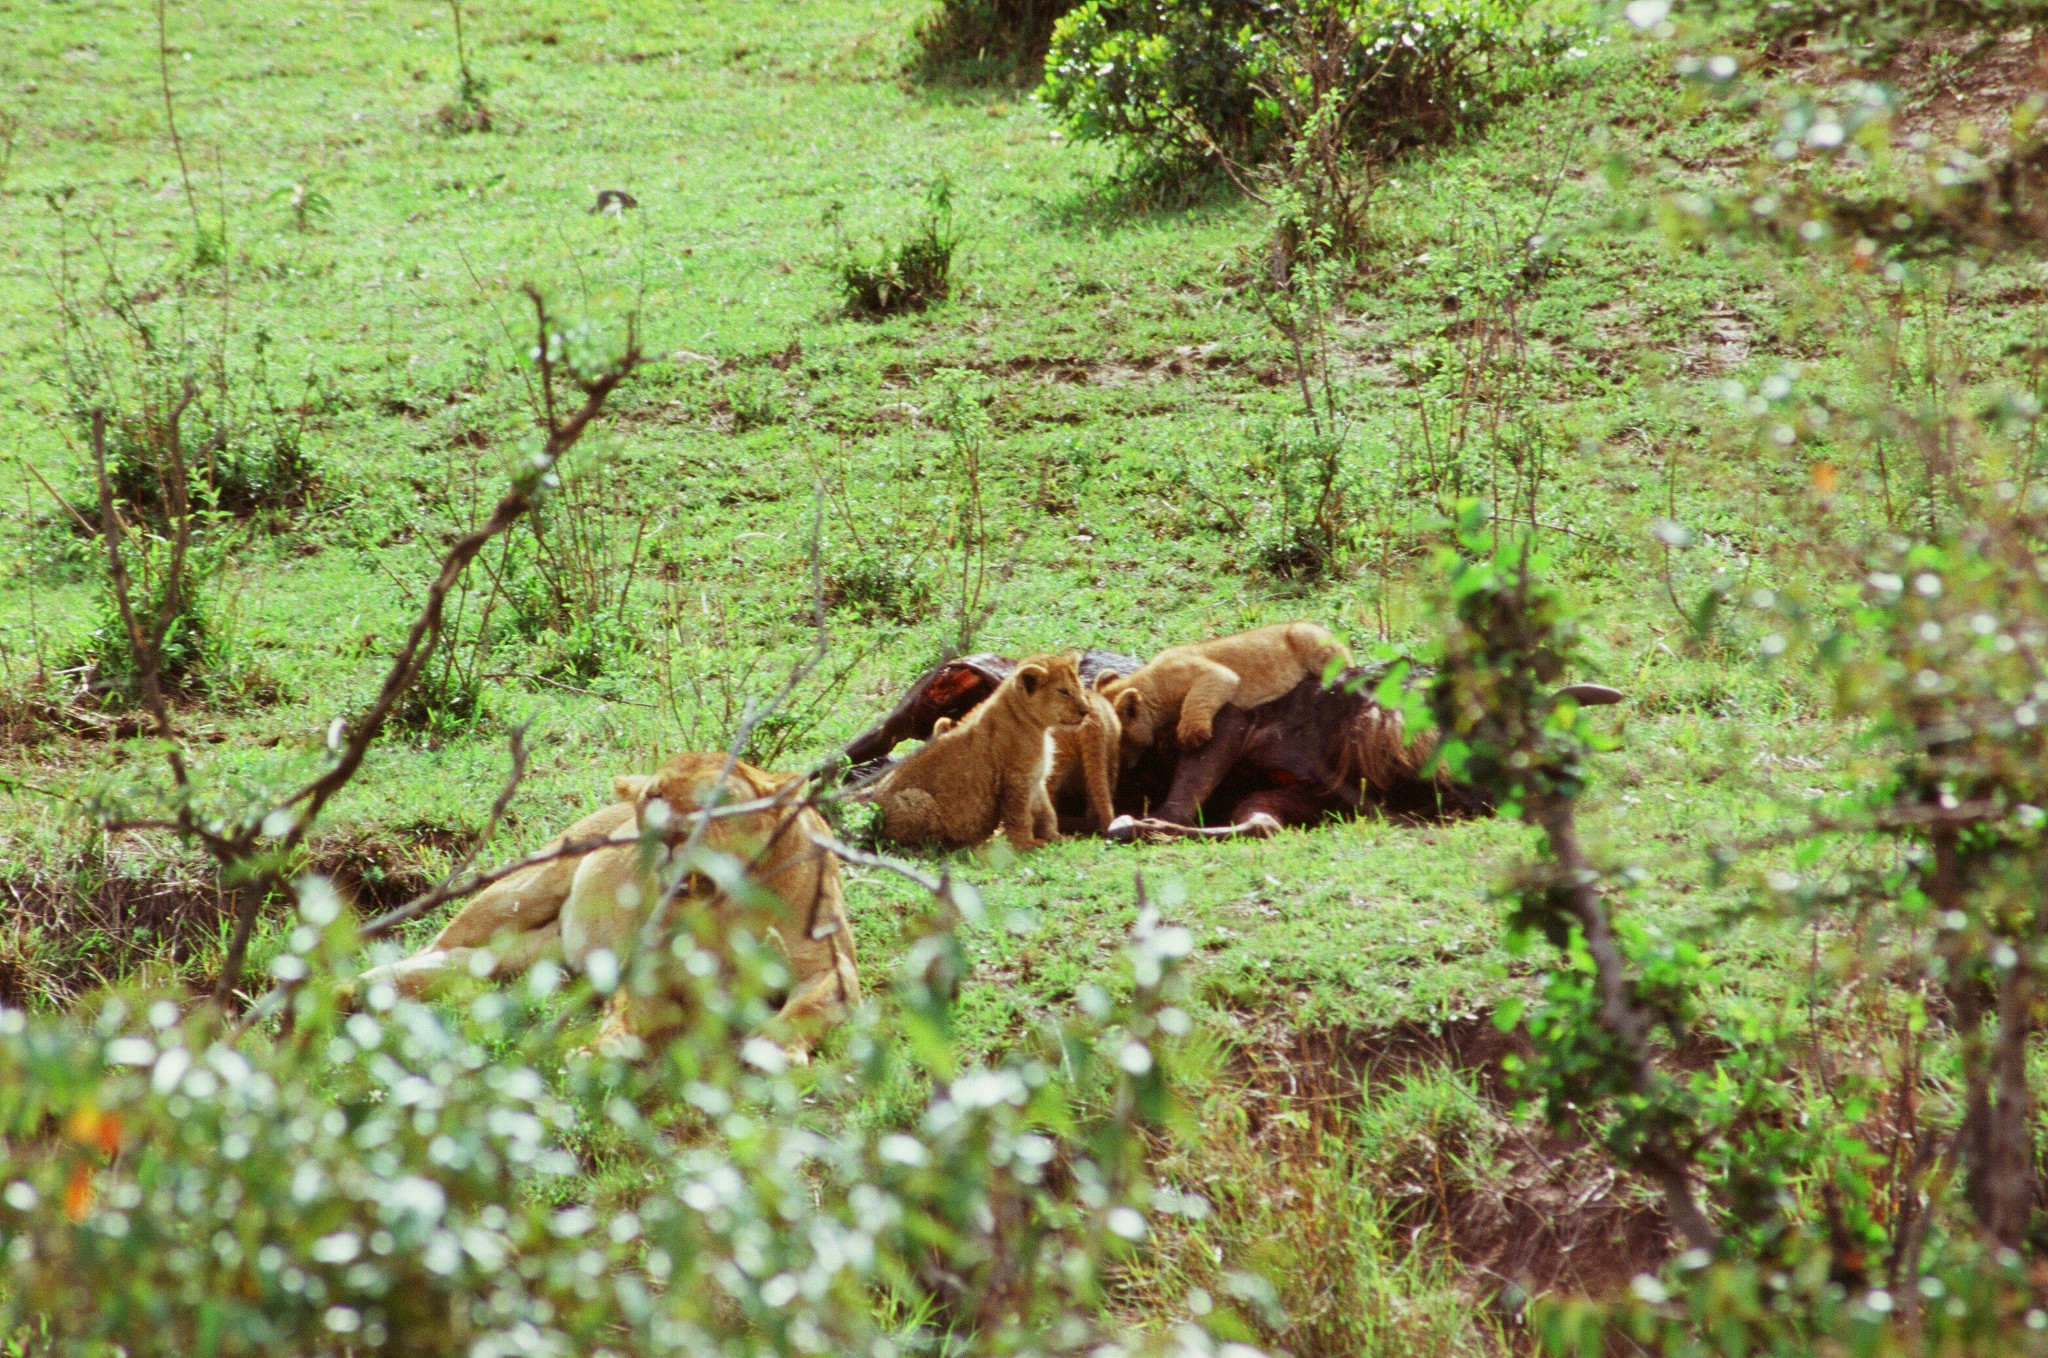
(1135, 712)
(1049, 690)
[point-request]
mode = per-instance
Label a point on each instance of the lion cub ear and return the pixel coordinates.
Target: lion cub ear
(1104, 678)
(1029, 677)
(1128, 704)
(627, 787)
(941, 726)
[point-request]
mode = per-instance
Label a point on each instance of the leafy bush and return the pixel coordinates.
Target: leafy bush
(446, 699)
(1819, 1217)
(403, 1179)
(987, 41)
(1181, 83)
(189, 646)
(242, 445)
(908, 275)
(876, 585)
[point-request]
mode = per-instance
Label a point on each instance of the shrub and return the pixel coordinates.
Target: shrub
(976, 42)
(243, 445)
(445, 700)
(189, 646)
(405, 1180)
(1177, 84)
(906, 276)
(874, 585)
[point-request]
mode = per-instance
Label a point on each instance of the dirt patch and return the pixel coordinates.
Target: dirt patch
(142, 906)
(1187, 360)
(1946, 77)
(101, 919)
(1522, 1210)
(1723, 342)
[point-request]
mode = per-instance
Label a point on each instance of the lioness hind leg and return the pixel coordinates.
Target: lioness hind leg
(510, 954)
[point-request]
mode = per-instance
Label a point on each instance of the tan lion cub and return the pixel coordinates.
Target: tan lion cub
(990, 770)
(1188, 685)
(1084, 757)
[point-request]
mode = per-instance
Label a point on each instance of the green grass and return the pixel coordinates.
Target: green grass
(1120, 367)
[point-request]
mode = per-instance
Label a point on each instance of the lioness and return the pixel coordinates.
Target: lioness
(990, 769)
(1188, 685)
(573, 907)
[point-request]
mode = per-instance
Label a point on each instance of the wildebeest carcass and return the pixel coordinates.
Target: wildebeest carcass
(1317, 753)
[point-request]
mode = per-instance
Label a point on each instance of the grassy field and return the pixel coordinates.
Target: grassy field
(1122, 381)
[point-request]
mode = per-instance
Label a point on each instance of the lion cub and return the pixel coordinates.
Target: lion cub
(989, 770)
(1188, 685)
(1084, 757)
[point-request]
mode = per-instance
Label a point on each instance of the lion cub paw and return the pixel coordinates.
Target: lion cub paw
(1195, 734)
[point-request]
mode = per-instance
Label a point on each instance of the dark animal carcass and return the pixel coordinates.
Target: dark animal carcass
(1301, 759)
(1314, 754)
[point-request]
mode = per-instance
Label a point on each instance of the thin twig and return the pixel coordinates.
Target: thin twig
(425, 632)
(30, 468)
(163, 70)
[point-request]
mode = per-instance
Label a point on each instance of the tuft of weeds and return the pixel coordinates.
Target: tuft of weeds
(875, 585)
(469, 113)
(304, 204)
(190, 648)
(1291, 1182)
(754, 400)
(910, 275)
(446, 700)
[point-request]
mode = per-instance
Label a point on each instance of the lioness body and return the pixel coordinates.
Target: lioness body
(573, 907)
(1185, 686)
(988, 771)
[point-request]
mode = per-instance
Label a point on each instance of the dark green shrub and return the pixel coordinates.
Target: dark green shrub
(908, 275)
(584, 649)
(872, 585)
(111, 674)
(244, 448)
(1177, 84)
(446, 699)
(981, 42)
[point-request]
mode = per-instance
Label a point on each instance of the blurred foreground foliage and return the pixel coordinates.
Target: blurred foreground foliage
(411, 1179)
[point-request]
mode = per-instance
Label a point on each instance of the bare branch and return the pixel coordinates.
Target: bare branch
(425, 632)
(145, 647)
